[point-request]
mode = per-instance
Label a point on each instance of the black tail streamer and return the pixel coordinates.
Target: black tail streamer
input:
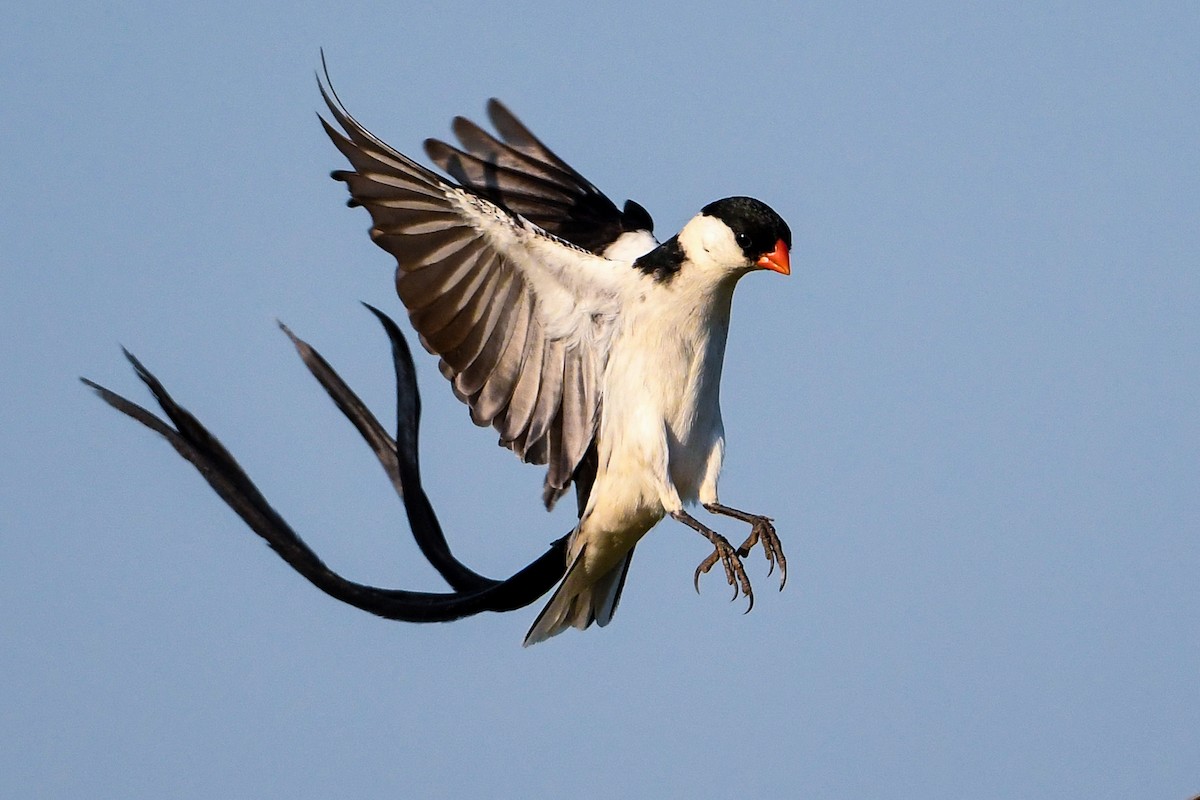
(472, 593)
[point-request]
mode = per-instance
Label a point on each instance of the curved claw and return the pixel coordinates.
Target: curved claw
(735, 572)
(707, 564)
(762, 530)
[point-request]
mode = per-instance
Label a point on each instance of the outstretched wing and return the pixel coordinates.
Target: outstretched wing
(522, 320)
(520, 173)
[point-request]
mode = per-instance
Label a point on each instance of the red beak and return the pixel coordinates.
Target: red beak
(778, 260)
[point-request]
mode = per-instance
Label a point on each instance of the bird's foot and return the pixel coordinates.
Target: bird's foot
(730, 559)
(763, 530)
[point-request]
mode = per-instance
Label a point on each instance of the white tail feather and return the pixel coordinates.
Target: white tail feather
(577, 604)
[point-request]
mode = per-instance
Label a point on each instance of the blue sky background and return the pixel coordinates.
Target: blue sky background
(972, 409)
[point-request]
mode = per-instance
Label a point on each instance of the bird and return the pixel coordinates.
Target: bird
(565, 325)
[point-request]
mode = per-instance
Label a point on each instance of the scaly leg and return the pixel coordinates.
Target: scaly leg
(762, 530)
(735, 573)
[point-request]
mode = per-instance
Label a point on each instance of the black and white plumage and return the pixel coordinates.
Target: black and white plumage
(563, 324)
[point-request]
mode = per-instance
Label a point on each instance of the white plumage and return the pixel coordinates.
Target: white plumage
(562, 323)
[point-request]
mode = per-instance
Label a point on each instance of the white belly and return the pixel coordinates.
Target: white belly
(660, 425)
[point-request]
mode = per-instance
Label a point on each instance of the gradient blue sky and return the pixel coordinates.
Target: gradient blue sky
(973, 409)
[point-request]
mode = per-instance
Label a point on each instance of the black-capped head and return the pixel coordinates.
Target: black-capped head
(762, 235)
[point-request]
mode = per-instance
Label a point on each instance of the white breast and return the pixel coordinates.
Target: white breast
(661, 413)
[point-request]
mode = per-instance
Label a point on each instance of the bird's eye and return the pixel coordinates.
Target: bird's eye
(743, 240)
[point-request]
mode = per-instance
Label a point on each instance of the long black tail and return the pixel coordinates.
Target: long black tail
(472, 592)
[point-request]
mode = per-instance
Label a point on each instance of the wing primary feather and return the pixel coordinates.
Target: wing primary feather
(496, 393)
(449, 320)
(549, 393)
(497, 275)
(486, 343)
(523, 401)
(520, 138)
(552, 486)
